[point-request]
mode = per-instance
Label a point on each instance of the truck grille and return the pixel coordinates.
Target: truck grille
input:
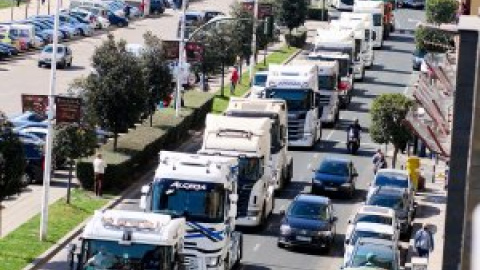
(295, 129)
(190, 263)
(323, 100)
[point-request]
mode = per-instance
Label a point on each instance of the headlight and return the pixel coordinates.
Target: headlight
(253, 213)
(212, 261)
(285, 229)
(324, 233)
(317, 181)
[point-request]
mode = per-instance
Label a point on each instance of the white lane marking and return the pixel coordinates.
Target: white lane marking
(255, 248)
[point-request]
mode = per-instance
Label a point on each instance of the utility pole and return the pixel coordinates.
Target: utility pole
(11, 10)
(254, 39)
(181, 50)
(51, 108)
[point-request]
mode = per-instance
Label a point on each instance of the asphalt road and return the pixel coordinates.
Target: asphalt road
(391, 73)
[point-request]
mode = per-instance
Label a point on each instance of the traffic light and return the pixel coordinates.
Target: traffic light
(268, 26)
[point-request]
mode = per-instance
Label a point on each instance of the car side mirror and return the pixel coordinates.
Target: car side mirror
(334, 219)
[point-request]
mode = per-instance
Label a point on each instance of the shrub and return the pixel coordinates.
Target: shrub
(297, 38)
(433, 40)
(441, 11)
(316, 13)
(139, 147)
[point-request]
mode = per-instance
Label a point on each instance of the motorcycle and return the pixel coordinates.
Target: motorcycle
(353, 142)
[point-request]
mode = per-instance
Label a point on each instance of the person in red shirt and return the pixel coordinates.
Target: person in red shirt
(142, 8)
(233, 80)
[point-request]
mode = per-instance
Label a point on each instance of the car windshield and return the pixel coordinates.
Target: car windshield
(49, 49)
(369, 218)
(357, 234)
(326, 82)
(391, 180)
(196, 201)
(373, 256)
(249, 169)
(308, 210)
(297, 99)
(333, 168)
(260, 80)
(101, 254)
(394, 202)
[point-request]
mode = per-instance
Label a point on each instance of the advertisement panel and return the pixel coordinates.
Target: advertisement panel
(264, 10)
(35, 103)
(68, 109)
(194, 50)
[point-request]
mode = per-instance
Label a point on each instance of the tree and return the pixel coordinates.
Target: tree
(12, 162)
(293, 13)
(441, 11)
(72, 142)
(157, 77)
(388, 113)
(433, 40)
(115, 92)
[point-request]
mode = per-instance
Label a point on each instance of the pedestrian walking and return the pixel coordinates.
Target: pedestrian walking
(18, 3)
(99, 171)
(424, 241)
(233, 80)
(379, 161)
(142, 8)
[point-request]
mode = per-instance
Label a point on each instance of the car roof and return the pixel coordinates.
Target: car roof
(374, 227)
(263, 72)
(337, 159)
(390, 191)
(312, 199)
(198, 13)
(376, 241)
(392, 171)
(376, 210)
(34, 129)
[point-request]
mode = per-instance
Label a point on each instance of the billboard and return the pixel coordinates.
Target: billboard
(35, 103)
(193, 50)
(68, 109)
(264, 10)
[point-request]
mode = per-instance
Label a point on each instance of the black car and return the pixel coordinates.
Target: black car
(210, 14)
(309, 221)
(396, 199)
(336, 175)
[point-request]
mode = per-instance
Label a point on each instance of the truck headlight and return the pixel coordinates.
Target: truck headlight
(212, 261)
(285, 229)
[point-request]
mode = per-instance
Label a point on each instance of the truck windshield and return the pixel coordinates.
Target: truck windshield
(249, 169)
(260, 80)
(344, 66)
(326, 82)
(297, 99)
(358, 47)
(196, 201)
(102, 255)
(377, 19)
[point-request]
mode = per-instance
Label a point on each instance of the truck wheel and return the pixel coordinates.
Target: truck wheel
(239, 255)
(226, 263)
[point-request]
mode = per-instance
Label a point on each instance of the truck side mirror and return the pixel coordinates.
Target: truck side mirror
(71, 255)
(232, 213)
(233, 198)
(143, 202)
(145, 189)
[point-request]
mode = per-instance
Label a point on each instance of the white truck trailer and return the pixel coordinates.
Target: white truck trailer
(118, 239)
(248, 140)
(358, 29)
(296, 84)
(203, 190)
(370, 34)
(377, 9)
(276, 111)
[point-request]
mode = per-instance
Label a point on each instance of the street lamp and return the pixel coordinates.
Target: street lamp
(2, 162)
(254, 39)
(48, 149)
(181, 52)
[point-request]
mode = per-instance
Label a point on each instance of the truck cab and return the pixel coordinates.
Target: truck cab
(342, 5)
(370, 35)
(345, 72)
(276, 111)
(118, 239)
(296, 84)
(376, 8)
(247, 140)
(203, 190)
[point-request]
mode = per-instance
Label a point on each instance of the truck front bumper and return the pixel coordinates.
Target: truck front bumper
(249, 221)
(306, 141)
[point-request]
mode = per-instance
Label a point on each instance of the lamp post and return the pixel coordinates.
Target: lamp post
(51, 106)
(254, 39)
(181, 52)
(2, 161)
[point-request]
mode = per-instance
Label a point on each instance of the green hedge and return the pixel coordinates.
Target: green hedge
(141, 145)
(315, 13)
(297, 38)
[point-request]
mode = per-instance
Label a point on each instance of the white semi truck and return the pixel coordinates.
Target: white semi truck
(296, 84)
(248, 140)
(118, 239)
(203, 190)
(347, 83)
(370, 34)
(358, 29)
(276, 111)
(377, 9)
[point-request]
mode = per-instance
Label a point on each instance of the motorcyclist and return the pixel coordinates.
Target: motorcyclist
(356, 129)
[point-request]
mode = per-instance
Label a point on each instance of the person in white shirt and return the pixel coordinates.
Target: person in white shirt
(99, 171)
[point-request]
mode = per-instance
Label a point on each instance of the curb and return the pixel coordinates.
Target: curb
(62, 243)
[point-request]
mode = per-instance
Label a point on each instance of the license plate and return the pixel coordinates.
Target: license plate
(331, 188)
(304, 238)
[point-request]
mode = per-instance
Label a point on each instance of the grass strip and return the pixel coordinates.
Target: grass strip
(220, 103)
(22, 246)
(7, 3)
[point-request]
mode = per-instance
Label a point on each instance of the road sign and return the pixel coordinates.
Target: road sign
(35, 103)
(194, 50)
(264, 10)
(68, 109)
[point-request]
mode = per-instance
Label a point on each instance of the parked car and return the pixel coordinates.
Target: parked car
(368, 230)
(374, 254)
(210, 14)
(4, 53)
(99, 21)
(26, 118)
(259, 83)
(372, 214)
(81, 28)
(157, 7)
(335, 175)
(309, 221)
(35, 158)
(396, 199)
(11, 49)
(418, 56)
(66, 33)
(64, 56)
(45, 28)
(417, 4)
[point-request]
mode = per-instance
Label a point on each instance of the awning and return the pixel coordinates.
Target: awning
(426, 131)
(440, 73)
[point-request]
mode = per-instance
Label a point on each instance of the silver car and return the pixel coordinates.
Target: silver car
(64, 56)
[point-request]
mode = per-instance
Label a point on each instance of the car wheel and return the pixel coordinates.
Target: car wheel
(281, 245)
(62, 65)
(39, 65)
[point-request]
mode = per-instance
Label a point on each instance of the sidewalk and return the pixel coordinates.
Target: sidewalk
(431, 209)
(33, 8)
